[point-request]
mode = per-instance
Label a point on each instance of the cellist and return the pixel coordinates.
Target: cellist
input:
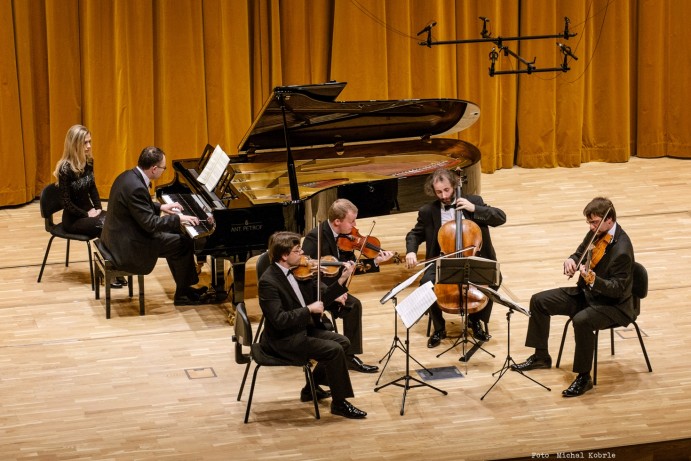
(431, 216)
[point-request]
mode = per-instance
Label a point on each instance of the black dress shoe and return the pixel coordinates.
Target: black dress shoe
(579, 386)
(199, 290)
(533, 363)
(345, 408)
(116, 283)
(436, 338)
(189, 299)
(354, 363)
(306, 394)
(479, 332)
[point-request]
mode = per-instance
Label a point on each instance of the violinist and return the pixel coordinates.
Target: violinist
(341, 222)
(442, 185)
(294, 330)
(602, 295)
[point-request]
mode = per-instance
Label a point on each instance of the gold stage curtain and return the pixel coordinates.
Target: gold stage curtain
(182, 73)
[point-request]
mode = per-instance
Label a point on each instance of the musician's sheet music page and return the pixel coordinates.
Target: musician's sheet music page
(416, 304)
(214, 168)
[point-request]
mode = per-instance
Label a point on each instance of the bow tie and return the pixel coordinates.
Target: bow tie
(448, 207)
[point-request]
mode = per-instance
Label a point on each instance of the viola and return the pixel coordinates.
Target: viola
(368, 246)
(588, 253)
(597, 250)
(595, 253)
(307, 267)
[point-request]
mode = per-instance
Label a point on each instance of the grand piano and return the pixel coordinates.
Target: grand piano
(304, 150)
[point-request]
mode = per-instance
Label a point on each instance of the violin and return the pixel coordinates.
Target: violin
(307, 267)
(368, 246)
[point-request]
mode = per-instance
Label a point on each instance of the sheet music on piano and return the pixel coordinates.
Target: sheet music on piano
(214, 169)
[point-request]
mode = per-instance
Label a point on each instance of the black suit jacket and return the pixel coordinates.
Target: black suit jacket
(429, 222)
(286, 320)
(611, 291)
(133, 224)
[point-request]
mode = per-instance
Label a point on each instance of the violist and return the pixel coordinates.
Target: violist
(601, 297)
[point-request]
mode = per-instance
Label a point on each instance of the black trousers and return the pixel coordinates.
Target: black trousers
(328, 349)
(585, 320)
(85, 226)
(351, 314)
(178, 249)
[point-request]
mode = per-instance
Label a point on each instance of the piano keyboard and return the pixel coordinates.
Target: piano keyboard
(195, 207)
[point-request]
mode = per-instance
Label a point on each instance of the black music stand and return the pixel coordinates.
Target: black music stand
(397, 343)
(410, 311)
(463, 272)
(499, 299)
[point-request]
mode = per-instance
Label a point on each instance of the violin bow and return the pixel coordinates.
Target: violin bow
(319, 264)
(592, 239)
(462, 250)
(362, 247)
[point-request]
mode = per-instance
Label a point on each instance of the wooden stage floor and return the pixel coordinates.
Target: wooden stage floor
(76, 386)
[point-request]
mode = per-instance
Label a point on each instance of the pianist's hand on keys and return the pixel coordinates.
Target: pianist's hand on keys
(176, 208)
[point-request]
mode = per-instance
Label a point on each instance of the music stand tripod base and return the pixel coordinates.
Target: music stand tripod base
(407, 378)
(396, 343)
(410, 311)
(509, 361)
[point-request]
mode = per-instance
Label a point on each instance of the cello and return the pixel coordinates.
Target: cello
(454, 236)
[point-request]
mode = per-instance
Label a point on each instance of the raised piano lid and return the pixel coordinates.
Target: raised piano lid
(314, 118)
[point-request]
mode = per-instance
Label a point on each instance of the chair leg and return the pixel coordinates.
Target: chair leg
(67, 254)
(429, 324)
(107, 284)
(611, 341)
(45, 258)
(313, 388)
(91, 264)
(563, 338)
(597, 335)
(333, 322)
(140, 282)
(97, 287)
(645, 353)
(244, 379)
(249, 400)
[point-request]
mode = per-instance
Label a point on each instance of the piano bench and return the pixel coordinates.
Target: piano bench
(105, 270)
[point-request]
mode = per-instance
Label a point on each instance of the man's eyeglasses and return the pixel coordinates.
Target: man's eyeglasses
(161, 167)
(593, 222)
(297, 250)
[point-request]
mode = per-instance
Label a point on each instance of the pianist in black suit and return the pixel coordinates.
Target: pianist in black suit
(341, 220)
(294, 329)
(138, 231)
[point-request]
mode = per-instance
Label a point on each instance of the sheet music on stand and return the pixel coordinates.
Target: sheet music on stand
(403, 285)
(416, 304)
(498, 298)
(214, 169)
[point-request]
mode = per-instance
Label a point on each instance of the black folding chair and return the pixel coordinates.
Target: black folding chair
(51, 203)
